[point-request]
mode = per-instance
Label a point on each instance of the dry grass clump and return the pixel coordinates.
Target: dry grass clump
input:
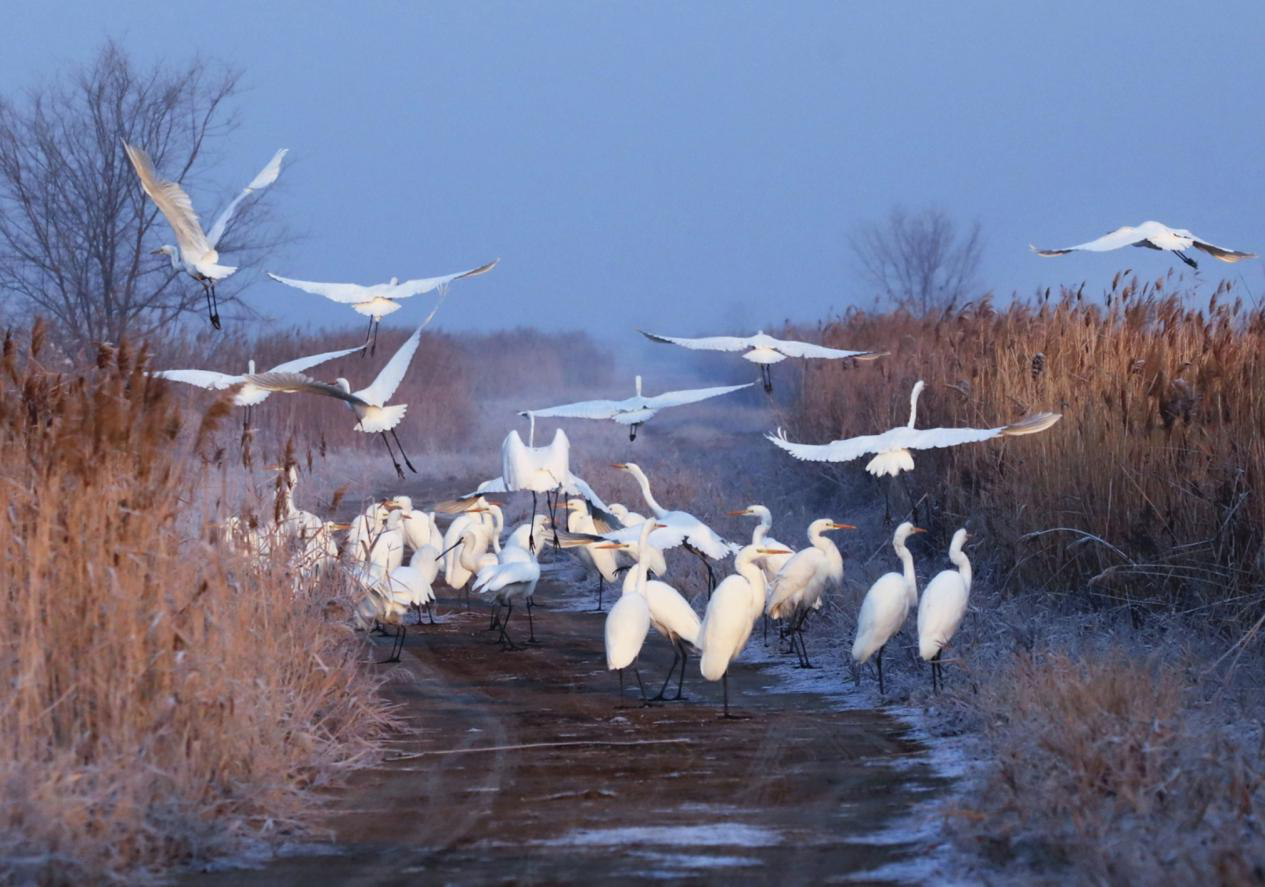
(1143, 492)
(165, 701)
(1103, 765)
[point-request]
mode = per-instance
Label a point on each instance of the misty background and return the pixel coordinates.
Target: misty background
(699, 167)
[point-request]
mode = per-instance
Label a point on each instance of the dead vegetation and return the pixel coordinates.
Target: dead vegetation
(167, 702)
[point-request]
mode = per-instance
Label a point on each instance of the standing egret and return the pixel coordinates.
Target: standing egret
(942, 607)
(771, 564)
(418, 526)
(886, 605)
(513, 576)
(730, 616)
(373, 414)
(248, 395)
(670, 614)
(633, 411)
(468, 537)
(628, 621)
(379, 300)
(800, 584)
(595, 558)
(1152, 235)
(414, 583)
(680, 528)
(196, 255)
(763, 350)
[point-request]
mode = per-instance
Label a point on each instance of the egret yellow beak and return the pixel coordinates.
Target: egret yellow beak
(742, 513)
(917, 530)
(838, 526)
(774, 551)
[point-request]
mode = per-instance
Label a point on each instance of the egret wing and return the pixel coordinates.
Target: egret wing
(345, 293)
(173, 203)
(836, 451)
(1126, 236)
(299, 364)
(391, 375)
(588, 409)
(806, 349)
(266, 177)
(421, 285)
(201, 378)
(689, 395)
(704, 343)
(1220, 252)
(294, 383)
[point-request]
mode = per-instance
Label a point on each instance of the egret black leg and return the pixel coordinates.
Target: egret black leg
(506, 641)
(676, 656)
(377, 325)
(680, 675)
(215, 308)
(1187, 259)
(400, 446)
(644, 700)
(632, 432)
(430, 611)
(398, 469)
(531, 523)
(531, 627)
(368, 336)
(601, 587)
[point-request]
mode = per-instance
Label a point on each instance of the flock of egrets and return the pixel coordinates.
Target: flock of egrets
(769, 580)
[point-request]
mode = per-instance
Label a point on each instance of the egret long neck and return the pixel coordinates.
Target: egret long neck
(644, 483)
(745, 566)
(913, 403)
(531, 429)
(958, 557)
(911, 579)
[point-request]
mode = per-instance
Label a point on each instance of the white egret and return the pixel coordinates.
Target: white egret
(763, 350)
(942, 607)
(628, 621)
(414, 583)
(679, 528)
(196, 253)
(595, 558)
(514, 575)
(1152, 235)
(418, 526)
(730, 616)
(379, 300)
(468, 538)
(670, 613)
(377, 605)
(886, 605)
(248, 395)
(799, 585)
(770, 564)
(373, 414)
(633, 411)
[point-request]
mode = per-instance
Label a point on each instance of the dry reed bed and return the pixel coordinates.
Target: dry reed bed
(1143, 492)
(167, 701)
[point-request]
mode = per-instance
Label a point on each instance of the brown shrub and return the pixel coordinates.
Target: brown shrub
(1144, 491)
(165, 700)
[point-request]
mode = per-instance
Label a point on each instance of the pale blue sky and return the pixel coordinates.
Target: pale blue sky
(699, 166)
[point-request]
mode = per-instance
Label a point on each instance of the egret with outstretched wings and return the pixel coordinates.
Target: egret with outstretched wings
(632, 411)
(1152, 235)
(378, 300)
(763, 350)
(195, 253)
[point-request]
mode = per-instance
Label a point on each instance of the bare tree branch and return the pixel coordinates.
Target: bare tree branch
(919, 261)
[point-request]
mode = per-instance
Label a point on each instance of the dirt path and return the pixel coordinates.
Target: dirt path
(522, 770)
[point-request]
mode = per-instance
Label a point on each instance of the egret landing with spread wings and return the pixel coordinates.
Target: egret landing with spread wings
(891, 449)
(378, 300)
(196, 254)
(1152, 235)
(632, 411)
(763, 350)
(249, 395)
(369, 404)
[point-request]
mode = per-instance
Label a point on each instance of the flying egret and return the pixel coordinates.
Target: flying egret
(763, 350)
(373, 414)
(670, 613)
(378, 300)
(886, 605)
(196, 255)
(891, 449)
(730, 616)
(800, 584)
(942, 607)
(1152, 235)
(628, 621)
(680, 528)
(632, 411)
(249, 395)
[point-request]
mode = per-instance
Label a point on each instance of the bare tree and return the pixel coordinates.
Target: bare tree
(919, 261)
(76, 230)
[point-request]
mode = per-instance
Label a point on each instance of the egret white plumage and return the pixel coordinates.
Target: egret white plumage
(468, 537)
(886, 605)
(678, 528)
(378, 606)
(374, 415)
(628, 621)
(1152, 235)
(763, 350)
(730, 616)
(891, 449)
(633, 411)
(804, 578)
(770, 564)
(415, 582)
(418, 526)
(595, 558)
(514, 575)
(378, 300)
(942, 607)
(195, 253)
(248, 395)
